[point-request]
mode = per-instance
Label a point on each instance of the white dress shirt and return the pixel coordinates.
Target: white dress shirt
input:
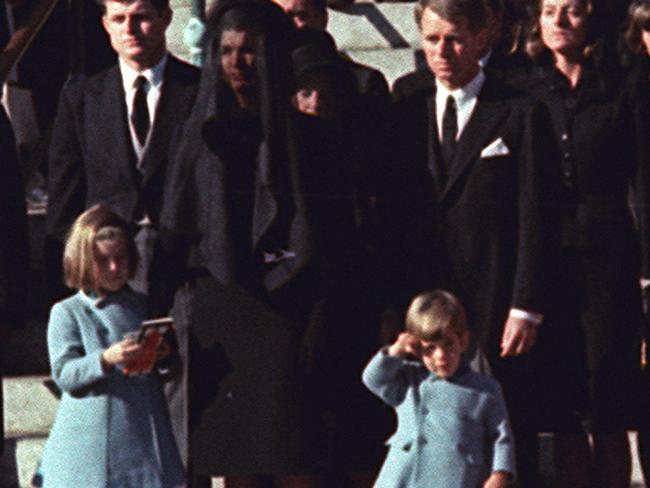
(154, 78)
(465, 99)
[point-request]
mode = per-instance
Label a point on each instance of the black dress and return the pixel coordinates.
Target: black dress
(589, 342)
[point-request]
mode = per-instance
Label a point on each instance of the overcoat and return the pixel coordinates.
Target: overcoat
(14, 252)
(111, 430)
(478, 230)
(451, 432)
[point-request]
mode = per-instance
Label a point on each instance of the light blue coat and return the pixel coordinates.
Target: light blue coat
(111, 430)
(451, 433)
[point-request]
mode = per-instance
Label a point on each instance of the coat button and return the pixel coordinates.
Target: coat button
(565, 137)
(230, 395)
(406, 447)
(425, 411)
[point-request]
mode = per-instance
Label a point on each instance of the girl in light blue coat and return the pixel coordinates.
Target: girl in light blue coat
(112, 429)
(453, 429)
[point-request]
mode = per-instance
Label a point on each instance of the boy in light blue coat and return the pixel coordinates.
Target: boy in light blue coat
(453, 429)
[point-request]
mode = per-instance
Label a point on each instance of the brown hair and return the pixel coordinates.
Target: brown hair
(79, 252)
(475, 11)
(535, 47)
(159, 5)
(638, 17)
(433, 314)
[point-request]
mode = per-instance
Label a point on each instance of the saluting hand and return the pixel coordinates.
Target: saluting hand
(406, 345)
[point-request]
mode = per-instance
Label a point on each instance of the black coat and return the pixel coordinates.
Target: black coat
(594, 310)
(477, 231)
(264, 368)
(13, 242)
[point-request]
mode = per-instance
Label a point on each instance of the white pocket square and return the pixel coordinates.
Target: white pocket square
(495, 148)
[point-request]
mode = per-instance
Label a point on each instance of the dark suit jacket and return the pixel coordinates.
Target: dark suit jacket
(91, 156)
(477, 231)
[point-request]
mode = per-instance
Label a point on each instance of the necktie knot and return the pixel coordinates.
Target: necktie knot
(140, 113)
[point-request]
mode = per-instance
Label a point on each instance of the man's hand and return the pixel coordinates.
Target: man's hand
(498, 479)
(519, 336)
(406, 345)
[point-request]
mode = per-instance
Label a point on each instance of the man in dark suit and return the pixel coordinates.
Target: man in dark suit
(111, 134)
(466, 200)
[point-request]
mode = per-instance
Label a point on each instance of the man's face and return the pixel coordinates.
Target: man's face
(304, 14)
(451, 49)
(137, 31)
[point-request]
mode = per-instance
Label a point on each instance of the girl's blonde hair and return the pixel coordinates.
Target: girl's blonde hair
(95, 224)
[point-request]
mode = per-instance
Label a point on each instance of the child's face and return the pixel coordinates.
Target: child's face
(443, 356)
(111, 264)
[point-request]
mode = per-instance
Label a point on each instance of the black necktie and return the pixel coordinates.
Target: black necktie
(140, 113)
(449, 131)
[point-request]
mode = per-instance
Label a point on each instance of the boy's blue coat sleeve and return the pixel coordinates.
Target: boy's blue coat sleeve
(500, 434)
(73, 367)
(387, 377)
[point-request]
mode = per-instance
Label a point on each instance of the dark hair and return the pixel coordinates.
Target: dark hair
(638, 20)
(475, 11)
(159, 5)
(433, 314)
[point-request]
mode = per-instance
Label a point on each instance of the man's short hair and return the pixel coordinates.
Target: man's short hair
(475, 11)
(98, 223)
(160, 5)
(434, 314)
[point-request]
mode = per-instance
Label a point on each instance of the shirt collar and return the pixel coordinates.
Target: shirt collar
(463, 94)
(154, 75)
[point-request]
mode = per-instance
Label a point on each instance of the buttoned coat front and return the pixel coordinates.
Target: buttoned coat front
(111, 429)
(451, 433)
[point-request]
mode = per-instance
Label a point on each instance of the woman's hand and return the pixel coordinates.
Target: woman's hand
(120, 353)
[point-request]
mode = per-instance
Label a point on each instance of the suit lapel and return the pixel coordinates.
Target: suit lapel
(115, 136)
(482, 126)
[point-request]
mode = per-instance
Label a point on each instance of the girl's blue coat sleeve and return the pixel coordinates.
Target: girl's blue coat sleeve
(73, 367)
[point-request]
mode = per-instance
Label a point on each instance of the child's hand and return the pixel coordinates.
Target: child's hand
(405, 345)
(121, 352)
(498, 479)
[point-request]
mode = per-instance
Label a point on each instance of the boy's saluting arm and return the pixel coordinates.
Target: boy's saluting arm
(388, 374)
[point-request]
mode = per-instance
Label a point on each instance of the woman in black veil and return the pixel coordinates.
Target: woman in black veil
(258, 242)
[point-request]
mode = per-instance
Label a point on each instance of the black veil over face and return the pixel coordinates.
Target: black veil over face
(273, 32)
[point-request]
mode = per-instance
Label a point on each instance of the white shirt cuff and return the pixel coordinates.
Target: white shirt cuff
(535, 318)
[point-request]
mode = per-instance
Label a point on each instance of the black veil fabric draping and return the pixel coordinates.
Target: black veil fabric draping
(258, 240)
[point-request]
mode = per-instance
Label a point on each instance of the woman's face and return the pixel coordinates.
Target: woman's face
(645, 38)
(316, 95)
(237, 53)
(564, 26)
